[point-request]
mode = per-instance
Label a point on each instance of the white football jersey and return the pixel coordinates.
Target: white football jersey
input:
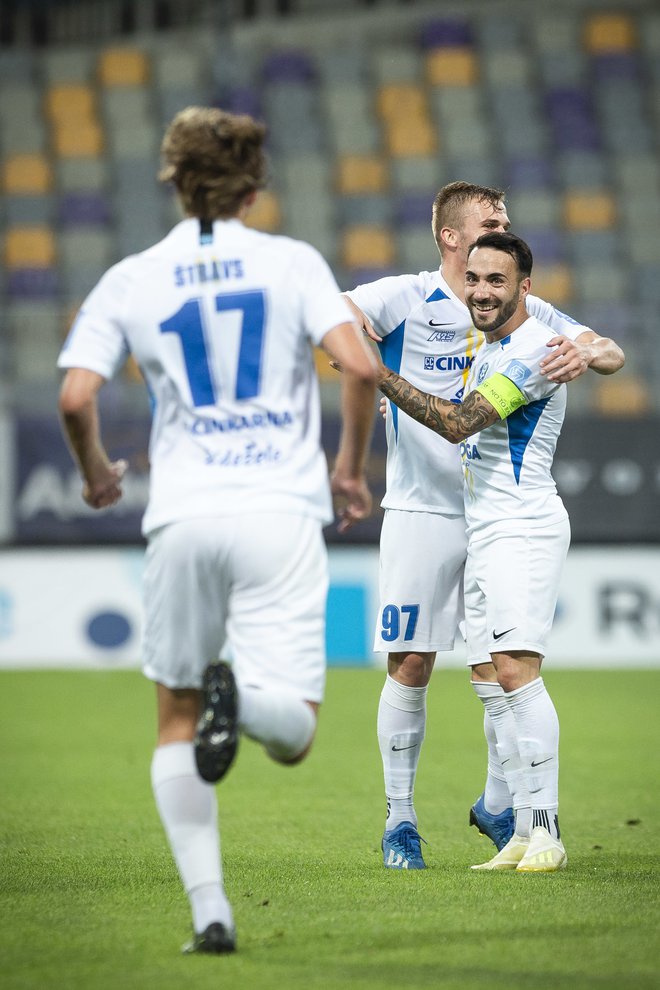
(429, 339)
(221, 324)
(507, 466)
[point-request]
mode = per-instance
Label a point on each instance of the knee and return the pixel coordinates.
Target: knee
(411, 669)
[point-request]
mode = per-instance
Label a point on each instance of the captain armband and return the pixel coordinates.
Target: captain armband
(503, 395)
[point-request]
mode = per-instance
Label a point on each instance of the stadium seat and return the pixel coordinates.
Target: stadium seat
(30, 247)
(624, 394)
(79, 140)
(67, 65)
(421, 173)
(395, 64)
(70, 101)
(123, 67)
(373, 210)
(266, 213)
(84, 208)
(609, 32)
(361, 174)
(597, 283)
(534, 208)
(553, 282)
(451, 67)
(29, 210)
(508, 68)
(417, 249)
(449, 32)
(592, 210)
(367, 245)
(77, 174)
(32, 283)
(27, 175)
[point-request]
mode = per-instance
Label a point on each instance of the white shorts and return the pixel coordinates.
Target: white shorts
(422, 556)
(258, 581)
(511, 588)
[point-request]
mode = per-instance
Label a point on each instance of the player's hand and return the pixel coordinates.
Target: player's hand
(567, 361)
(352, 500)
(104, 490)
(382, 407)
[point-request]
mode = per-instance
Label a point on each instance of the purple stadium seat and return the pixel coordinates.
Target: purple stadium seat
(529, 173)
(288, 65)
(613, 66)
(89, 208)
(450, 32)
(572, 119)
(359, 276)
(32, 283)
(414, 208)
(546, 243)
(242, 99)
(610, 319)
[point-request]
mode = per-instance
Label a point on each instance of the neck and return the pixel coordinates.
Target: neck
(511, 325)
(454, 275)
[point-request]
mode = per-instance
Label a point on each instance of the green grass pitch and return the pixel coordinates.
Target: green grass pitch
(90, 900)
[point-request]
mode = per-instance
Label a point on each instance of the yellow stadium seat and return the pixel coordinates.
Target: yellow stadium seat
(82, 140)
(29, 247)
(411, 137)
(70, 101)
(610, 33)
(123, 67)
(361, 174)
(401, 99)
(592, 211)
(26, 175)
(451, 67)
(266, 213)
(622, 395)
(552, 282)
(367, 246)
(324, 369)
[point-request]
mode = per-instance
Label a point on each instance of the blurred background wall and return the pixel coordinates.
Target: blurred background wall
(371, 107)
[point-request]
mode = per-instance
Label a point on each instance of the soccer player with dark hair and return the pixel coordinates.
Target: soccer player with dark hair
(426, 333)
(507, 424)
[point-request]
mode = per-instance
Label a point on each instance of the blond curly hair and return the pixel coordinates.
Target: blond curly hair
(215, 159)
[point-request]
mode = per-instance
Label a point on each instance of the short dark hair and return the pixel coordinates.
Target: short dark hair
(509, 243)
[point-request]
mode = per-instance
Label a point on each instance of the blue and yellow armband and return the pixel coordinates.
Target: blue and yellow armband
(503, 395)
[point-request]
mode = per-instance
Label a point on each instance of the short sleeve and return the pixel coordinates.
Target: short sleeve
(96, 340)
(387, 301)
(323, 306)
(555, 319)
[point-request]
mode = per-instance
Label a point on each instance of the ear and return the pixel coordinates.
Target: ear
(525, 286)
(250, 198)
(449, 238)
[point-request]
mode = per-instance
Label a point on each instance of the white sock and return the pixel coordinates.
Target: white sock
(283, 722)
(497, 797)
(538, 743)
(401, 726)
(503, 723)
(189, 813)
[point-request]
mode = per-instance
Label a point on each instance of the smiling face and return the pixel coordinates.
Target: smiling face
(495, 292)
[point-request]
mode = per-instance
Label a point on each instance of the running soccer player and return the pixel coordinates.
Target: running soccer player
(426, 334)
(507, 424)
(222, 321)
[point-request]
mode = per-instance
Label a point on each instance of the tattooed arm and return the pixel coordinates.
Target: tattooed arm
(453, 421)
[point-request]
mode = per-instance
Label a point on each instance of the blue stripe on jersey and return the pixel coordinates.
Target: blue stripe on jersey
(521, 424)
(391, 350)
(437, 296)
